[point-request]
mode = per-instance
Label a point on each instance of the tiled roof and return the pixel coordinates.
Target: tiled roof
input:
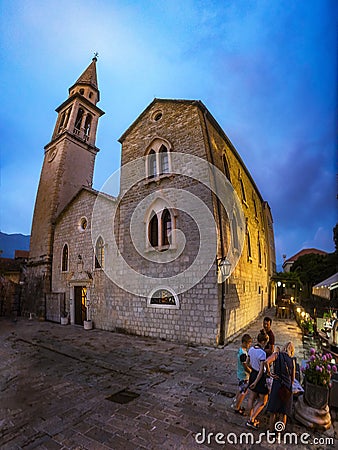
(305, 251)
(21, 254)
(9, 265)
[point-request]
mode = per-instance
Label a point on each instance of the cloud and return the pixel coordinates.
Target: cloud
(266, 73)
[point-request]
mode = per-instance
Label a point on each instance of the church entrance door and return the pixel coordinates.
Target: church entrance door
(80, 295)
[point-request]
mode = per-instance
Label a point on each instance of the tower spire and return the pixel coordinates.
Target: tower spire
(68, 165)
(89, 76)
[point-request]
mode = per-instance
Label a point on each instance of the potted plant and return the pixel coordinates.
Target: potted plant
(307, 326)
(317, 373)
(88, 324)
(64, 318)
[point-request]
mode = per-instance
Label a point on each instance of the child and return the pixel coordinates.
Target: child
(243, 372)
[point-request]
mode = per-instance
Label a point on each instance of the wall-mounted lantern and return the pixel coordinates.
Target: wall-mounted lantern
(79, 264)
(224, 269)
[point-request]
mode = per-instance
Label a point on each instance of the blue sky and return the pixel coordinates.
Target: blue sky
(265, 69)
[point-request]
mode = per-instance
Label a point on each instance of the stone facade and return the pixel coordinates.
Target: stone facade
(146, 262)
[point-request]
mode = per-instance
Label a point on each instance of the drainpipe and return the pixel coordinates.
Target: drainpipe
(218, 206)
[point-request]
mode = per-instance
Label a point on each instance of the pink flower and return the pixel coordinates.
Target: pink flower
(334, 368)
(312, 351)
(324, 358)
(312, 358)
(329, 355)
(330, 385)
(329, 367)
(317, 368)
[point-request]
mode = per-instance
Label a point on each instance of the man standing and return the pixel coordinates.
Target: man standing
(270, 346)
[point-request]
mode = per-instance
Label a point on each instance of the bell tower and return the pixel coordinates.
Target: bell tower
(68, 165)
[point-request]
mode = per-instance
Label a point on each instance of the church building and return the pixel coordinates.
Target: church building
(184, 252)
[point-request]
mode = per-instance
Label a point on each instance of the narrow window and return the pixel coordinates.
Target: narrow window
(259, 251)
(67, 117)
(255, 207)
(226, 168)
(78, 120)
(152, 164)
(62, 121)
(88, 123)
(243, 190)
(99, 253)
(164, 159)
(166, 227)
(64, 265)
(234, 232)
(153, 231)
(248, 246)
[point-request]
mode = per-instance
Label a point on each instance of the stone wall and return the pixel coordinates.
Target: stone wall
(120, 301)
(247, 290)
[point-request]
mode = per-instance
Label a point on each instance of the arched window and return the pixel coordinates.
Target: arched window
(160, 226)
(99, 253)
(164, 159)
(158, 158)
(65, 258)
(163, 297)
(152, 165)
(62, 121)
(226, 168)
(88, 123)
(166, 227)
(153, 230)
(69, 110)
(78, 120)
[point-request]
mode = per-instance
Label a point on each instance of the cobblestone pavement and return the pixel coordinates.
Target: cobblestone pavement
(58, 386)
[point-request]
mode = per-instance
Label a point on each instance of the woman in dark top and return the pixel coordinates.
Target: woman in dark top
(280, 400)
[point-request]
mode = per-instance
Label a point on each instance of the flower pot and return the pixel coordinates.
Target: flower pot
(64, 320)
(87, 324)
(316, 396)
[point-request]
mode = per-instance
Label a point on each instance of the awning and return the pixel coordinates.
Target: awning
(324, 288)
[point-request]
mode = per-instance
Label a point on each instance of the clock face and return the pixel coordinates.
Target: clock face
(52, 154)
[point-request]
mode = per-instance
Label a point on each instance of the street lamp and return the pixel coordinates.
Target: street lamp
(223, 272)
(224, 268)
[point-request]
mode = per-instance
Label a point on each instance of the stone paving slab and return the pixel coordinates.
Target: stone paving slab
(56, 383)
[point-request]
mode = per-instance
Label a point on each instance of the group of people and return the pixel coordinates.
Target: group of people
(257, 365)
